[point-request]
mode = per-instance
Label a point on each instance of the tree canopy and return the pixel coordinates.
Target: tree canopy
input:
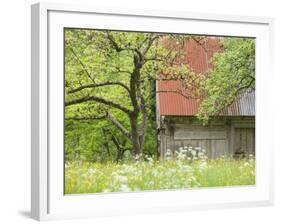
(110, 83)
(233, 73)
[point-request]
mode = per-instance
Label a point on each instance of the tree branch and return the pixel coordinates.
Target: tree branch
(247, 86)
(82, 64)
(242, 80)
(113, 42)
(99, 100)
(118, 125)
(198, 41)
(85, 118)
(236, 94)
(153, 59)
(99, 85)
(151, 39)
(117, 47)
(118, 70)
(189, 96)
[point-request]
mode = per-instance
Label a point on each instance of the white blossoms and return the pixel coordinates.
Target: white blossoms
(124, 188)
(92, 171)
(182, 153)
(186, 153)
(168, 154)
(149, 160)
(186, 168)
(120, 181)
(203, 165)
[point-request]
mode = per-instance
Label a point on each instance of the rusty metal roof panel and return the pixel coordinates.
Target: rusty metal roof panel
(173, 103)
(244, 105)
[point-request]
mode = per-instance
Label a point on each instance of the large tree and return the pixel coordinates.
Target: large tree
(111, 75)
(232, 73)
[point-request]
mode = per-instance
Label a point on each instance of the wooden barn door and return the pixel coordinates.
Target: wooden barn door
(244, 140)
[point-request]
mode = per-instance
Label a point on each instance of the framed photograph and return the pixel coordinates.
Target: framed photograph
(148, 111)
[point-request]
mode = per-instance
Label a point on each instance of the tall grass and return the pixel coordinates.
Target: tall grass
(179, 173)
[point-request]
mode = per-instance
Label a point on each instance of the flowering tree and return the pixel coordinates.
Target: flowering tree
(111, 76)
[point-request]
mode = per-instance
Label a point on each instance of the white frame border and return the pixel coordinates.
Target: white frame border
(39, 94)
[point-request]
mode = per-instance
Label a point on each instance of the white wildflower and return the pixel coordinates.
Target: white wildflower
(119, 178)
(138, 156)
(203, 165)
(128, 169)
(181, 155)
(201, 154)
(106, 190)
(150, 160)
(155, 173)
(193, 152)
(92, 171)
(168, 154)
(186, 168)
(125, 188)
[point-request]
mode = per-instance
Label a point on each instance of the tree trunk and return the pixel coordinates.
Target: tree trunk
(143, 132)
(119, 148)
(135, 135)
(144, 123)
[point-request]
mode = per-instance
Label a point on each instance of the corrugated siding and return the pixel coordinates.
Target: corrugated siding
(198, 55)
(244, 105)
(174, 103)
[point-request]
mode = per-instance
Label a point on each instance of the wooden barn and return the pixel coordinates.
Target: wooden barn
(231, 134)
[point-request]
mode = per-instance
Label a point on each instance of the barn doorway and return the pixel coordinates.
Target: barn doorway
(244, 142)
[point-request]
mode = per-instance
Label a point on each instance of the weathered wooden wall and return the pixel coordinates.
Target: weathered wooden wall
(223, 136)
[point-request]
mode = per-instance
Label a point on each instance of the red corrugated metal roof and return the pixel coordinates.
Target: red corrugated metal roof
(197, 57)
(199, 54)
(172, 103)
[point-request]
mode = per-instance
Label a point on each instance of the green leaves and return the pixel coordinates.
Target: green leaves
(233, 73)
(115, 72)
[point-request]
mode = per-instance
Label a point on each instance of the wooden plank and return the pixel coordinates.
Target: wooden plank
(213, 152)
(209, 148)
(207, 134)
(249, 123)
(221, 147)
(250, 141)
(245, 139)
(237, 141)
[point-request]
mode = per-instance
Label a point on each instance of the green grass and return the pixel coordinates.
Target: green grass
(87, 177)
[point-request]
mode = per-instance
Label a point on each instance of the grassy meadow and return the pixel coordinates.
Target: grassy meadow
(147, 174)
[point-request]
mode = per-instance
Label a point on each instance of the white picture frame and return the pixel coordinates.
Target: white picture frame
(47, 198)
